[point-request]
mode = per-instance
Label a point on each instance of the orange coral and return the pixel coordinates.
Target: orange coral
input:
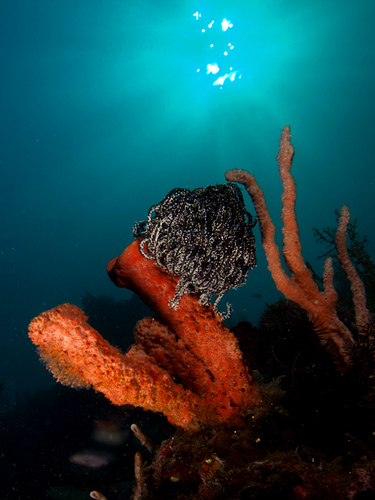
(77, 355)
(198, 347)
(190, 342)
(300, 286)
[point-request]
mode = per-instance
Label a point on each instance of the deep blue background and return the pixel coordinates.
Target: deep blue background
(103, 112)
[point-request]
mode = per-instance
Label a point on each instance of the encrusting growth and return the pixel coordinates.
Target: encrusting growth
(300, 286)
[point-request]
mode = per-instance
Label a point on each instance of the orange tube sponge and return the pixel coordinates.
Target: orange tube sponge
(170, 352)
(219, 374)
(77, 355)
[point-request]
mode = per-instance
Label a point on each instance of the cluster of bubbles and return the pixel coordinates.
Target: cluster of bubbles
(213, 67)
(203, 236)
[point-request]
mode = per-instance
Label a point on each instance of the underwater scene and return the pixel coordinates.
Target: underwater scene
(187, 250)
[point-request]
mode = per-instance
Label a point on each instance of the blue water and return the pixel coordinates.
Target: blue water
(103, 112)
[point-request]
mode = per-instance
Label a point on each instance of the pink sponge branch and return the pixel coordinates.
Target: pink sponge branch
(362, 315)
(300, 286)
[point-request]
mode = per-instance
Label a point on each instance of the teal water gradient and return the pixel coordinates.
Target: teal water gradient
(103, 112)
